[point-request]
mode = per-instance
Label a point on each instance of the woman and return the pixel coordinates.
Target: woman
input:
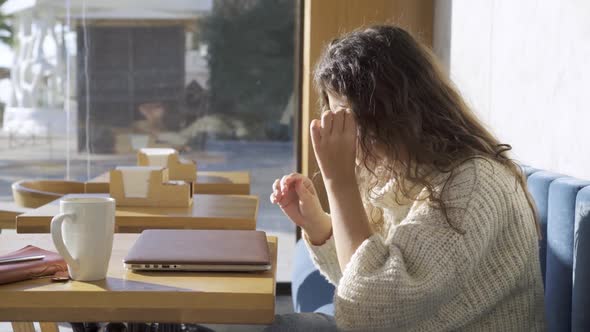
(431, 227)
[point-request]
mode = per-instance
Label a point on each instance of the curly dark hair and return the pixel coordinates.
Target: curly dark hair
(405, 104)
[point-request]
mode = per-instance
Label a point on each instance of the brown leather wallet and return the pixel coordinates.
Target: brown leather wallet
(49, 266)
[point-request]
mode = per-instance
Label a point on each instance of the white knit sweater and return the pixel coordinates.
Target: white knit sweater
(421, 275)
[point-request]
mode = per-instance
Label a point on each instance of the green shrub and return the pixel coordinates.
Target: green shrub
(251, 60)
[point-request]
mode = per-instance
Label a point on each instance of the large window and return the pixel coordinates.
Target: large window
(89, 82)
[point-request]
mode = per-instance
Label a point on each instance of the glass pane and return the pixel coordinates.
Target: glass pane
(92, 81)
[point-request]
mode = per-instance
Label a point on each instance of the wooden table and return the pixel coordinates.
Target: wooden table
(207, 212)
(125, 296)
(8, 213)
(209, 183)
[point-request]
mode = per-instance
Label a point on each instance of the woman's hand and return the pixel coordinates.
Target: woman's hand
(296, 196)
(334, 144)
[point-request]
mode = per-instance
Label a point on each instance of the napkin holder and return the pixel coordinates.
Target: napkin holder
(161, 191)
(182, 170)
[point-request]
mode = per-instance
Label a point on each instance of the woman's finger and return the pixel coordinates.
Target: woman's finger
(309, 186)
(303, 192)
(349, 122)
(277, 190)
(293, 177)
(315, 130)
(284, 187)
(327, 122)
(338, 121)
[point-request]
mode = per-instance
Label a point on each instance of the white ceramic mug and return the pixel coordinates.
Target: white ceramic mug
(83, 235)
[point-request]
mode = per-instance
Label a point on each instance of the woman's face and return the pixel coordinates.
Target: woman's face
(339, 103)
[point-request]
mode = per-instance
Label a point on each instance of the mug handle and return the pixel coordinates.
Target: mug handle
(58, 241)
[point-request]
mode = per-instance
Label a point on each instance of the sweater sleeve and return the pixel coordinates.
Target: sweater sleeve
(395, 284)
(407, 277)
(324, 256)
(325, 259)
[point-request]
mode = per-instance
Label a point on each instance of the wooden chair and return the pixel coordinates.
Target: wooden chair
(30, 194)
(35, 193)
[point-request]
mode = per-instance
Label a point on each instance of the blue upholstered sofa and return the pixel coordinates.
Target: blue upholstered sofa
(563, 204)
